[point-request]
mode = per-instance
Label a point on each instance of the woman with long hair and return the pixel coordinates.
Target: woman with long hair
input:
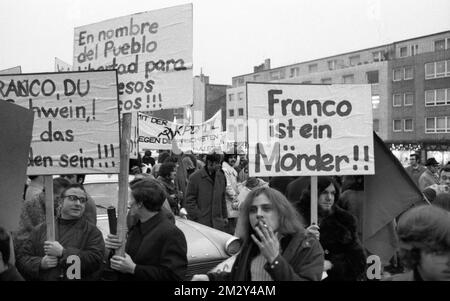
(275, 245)
(345, 259)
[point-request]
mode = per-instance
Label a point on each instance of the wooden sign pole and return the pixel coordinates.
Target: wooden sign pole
(123, 181)
(314, 200)
(49, 208)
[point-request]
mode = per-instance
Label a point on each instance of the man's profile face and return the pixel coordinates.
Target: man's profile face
(445, 178)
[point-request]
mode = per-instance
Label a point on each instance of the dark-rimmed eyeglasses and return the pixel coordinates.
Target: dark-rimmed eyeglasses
(75, 198)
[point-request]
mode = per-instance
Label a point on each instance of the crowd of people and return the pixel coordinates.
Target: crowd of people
(271, 216)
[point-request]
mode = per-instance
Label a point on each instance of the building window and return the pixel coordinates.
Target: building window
(376, 125)
(437, 69)
(397, 125)
(241, 96)
(408, 125)
(230, 97)
(439, 45)
(326, 80)
(398, 74)
(437, 125)
(354, 60)
(294, 72)
(377, 56)
(256, 76)
(403, 51)
(306, 82)
(241, 81)
(372, 77)
(240, 127)
(437, 97)
(231, 112)
(274, 75)
(241, 112)
(312, 68)
(397, 100)
(409, 99)
(231, 128)
(348, 79)
(375, 101)
(331, 64)
(403, 73)
(414, 49)
(409, 73)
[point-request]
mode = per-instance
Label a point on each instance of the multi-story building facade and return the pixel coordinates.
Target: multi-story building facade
(419, 109)
(402, 75)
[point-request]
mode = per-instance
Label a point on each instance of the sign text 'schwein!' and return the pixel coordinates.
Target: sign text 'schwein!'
(152, 52)
(309, 129)
(76, 120)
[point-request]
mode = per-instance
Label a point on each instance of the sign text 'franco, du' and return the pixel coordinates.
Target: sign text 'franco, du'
(76, 120)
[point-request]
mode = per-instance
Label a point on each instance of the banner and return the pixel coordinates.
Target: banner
(309, 130)
(15, 137)
(61, 66)
(13, 70)
(75, 120)
(152, 52)
(157, 133)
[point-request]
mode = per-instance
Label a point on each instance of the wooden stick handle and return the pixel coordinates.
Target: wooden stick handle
(49, 208)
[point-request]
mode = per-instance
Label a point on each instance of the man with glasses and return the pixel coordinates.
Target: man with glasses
(90, 208)
(74, 235)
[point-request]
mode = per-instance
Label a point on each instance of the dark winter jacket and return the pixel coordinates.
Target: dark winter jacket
(301, 259)
(171, 190)
(78, 237)
(158, 248)
(205, 199)
(343, 249)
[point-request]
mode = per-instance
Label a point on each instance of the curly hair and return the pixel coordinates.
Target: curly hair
(423, 228)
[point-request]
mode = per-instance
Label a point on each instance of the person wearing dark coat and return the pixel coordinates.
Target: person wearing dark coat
(275, 244)
(167, 175)
(155, 249)
(8, 271)
(74, 235)
(205, 195)
(345, 258)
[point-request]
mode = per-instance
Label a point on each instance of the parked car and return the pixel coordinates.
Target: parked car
(206, 246)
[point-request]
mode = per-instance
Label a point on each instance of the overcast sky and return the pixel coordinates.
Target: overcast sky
(230, 37)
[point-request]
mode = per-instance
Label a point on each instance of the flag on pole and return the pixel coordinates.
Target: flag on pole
(388, 193)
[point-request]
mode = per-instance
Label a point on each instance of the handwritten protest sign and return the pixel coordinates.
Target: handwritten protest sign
(157, 133)
(61, 66)
(15, 137)
(152, 52)
(13, 70)
(309, 129)
(76, 128)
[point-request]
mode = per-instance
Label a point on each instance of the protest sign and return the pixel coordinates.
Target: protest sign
(15, 137)
(309, 130)
(13, 70)
(76, 120)
(151, 131)
(157, 133)
(61, 66)
(152, 52)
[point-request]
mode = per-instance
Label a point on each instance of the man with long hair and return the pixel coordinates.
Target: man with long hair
(275, 247)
